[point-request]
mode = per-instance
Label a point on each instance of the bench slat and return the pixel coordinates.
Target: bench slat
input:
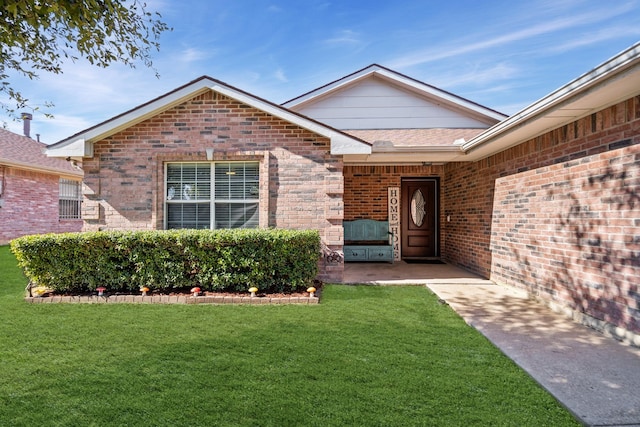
(367, 240)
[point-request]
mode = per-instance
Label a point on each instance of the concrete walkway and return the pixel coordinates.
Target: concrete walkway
(593, 376)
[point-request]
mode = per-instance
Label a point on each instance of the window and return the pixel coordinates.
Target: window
(212, 195)
(69, 199)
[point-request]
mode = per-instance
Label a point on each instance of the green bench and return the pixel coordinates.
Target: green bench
(367, 240)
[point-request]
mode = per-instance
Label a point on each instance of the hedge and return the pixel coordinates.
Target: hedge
(273, 260)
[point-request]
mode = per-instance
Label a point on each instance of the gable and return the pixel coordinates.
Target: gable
(376, 103)
(81, 144)
(376, 97)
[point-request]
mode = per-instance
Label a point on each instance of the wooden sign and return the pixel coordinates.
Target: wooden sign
(394, 219)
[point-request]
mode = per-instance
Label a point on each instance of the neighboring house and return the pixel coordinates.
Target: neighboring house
(38, 194)
(545, 200)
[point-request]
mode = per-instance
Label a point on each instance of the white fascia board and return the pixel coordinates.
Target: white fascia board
(340, 143)
(409, 154)
(144, 112)
(418, 149)
(77, 148)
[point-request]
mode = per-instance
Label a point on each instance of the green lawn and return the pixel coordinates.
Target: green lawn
(365, 356)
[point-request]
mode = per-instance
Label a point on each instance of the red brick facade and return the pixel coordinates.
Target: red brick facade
(558, 215)
(30, 204)
(301, 183)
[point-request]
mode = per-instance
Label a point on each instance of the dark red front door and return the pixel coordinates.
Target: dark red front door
(419, 217)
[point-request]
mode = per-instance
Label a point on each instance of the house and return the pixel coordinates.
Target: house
(38, 194)
(546, 199)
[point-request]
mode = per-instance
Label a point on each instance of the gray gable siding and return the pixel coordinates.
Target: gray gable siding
(375, 104)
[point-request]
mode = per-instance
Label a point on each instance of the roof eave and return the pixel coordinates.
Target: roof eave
(417, 149)
(609, 83)
(76, 149)
(45, 169)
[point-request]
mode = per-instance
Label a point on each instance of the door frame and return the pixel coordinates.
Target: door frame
(404, 206)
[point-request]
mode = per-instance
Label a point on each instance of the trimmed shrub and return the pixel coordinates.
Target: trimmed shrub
(273, 260)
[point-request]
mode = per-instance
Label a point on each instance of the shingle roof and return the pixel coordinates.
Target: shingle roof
(415, 137)
(23, 152)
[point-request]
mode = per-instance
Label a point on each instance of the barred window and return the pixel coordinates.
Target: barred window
(69, 199)
(212, 195)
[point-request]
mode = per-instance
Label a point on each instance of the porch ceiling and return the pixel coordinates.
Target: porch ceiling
(410, 155)
(393, 146)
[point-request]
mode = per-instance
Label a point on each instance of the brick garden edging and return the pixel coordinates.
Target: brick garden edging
(171, 299)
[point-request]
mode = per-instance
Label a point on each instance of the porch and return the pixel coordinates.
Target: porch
(403, 273)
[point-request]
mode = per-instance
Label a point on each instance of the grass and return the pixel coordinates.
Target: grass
(365, 356)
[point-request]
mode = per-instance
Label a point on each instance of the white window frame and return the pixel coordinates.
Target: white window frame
(69, 199)
(212, 201)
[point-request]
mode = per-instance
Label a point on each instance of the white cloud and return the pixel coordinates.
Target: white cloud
(477, 75)
(193, 54)
(280, 76)
(460, 48)
(60, 127)
(50, 130)
(85, 95)
(591, 38)
(343, 37)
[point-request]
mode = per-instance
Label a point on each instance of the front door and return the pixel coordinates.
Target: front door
(419, 217)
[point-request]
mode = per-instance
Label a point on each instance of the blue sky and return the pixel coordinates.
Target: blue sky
(501, 54)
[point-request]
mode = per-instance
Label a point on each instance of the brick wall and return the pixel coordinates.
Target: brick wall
(301, 184)
(468, 192)
(558, 215)
(30, 205)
